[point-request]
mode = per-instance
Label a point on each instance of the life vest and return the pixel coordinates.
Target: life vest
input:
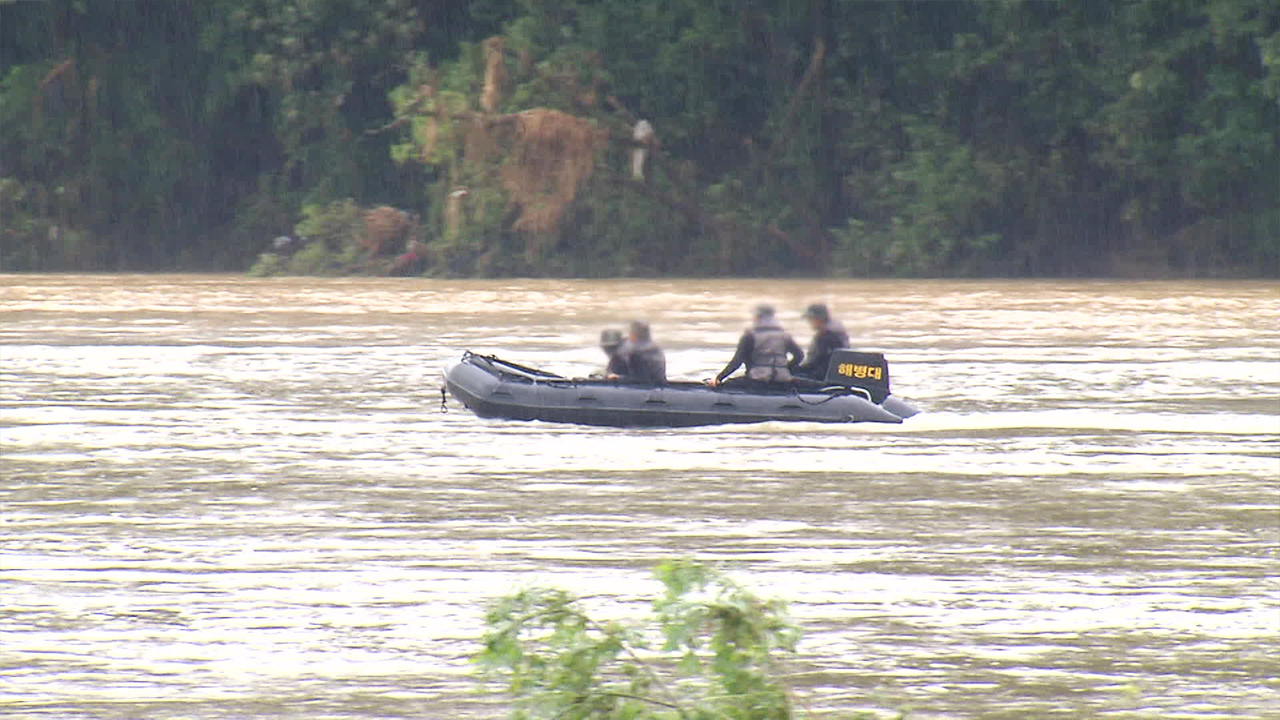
(824, 343)
(768, 361)
(841, 338)
(644, 361)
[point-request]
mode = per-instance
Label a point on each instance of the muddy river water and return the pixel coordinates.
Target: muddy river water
(233, 498)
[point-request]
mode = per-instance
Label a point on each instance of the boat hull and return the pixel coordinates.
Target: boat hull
(492, 389)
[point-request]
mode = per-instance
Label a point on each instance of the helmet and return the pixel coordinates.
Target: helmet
(818, 311)
(610, 339)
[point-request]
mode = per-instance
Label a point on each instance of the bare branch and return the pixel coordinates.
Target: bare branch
(402, 120)
(810, 74)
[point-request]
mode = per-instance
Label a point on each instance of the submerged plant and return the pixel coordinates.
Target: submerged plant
(707, 650)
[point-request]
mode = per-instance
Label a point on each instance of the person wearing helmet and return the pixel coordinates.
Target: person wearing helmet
(610, 341)
(640, 357)
(828, 336)
(764, 348)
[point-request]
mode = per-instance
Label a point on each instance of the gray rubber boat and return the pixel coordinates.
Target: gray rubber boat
(495, 388)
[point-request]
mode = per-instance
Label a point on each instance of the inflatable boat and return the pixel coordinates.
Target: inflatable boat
(856, 389)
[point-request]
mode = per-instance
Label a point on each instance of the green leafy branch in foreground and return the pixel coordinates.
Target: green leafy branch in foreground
(717, 659)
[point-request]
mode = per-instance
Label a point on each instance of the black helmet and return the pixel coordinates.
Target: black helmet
(819, 311)
(610, 338)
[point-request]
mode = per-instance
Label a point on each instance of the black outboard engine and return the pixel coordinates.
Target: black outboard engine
(866, 370)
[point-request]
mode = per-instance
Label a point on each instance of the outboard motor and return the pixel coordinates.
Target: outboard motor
(866, 370)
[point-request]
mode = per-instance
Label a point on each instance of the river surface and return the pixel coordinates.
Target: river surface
(224, 497)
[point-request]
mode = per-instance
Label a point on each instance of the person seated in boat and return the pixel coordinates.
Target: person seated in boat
(764, 348)
(640, 357)
(828, 336)
(610, 341)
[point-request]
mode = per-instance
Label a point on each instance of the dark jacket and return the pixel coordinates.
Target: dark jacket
(825, 342)
(616, 366)
(764, 348)
(642, 361)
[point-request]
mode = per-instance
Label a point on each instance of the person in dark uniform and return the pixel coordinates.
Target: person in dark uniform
(764, 348)
(610, 341)
(828, 336)
(641, 359)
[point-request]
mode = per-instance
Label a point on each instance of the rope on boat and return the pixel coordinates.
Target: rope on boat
(833, 392)
(533, 373)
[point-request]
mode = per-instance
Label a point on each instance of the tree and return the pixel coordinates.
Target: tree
(708, 651)
(1017, 137)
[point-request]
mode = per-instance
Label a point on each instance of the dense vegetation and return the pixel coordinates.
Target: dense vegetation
(495, 137)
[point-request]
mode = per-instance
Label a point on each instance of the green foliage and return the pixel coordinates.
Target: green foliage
(267, 265)
(335, 226)
(923, 138)
(332, 241)
(161, 168)
(32, 239)
(316, 258)
(707, 651)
